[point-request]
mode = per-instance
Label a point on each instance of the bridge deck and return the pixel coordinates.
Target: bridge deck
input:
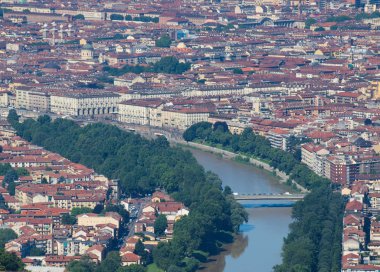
(289, 197)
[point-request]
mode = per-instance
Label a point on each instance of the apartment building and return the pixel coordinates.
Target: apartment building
(279, 138)
(32, 99)
(183, 118)
(315, 157)
(141, 112)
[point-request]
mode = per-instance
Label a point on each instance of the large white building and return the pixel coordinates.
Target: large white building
(141, 112)
(153, 112)
(183, 118)
(84, 104)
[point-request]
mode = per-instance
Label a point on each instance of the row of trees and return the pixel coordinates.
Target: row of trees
(167, 65)
(119, 17)
(251, 144)
(111, 263)
(314, 241)
(141, 166)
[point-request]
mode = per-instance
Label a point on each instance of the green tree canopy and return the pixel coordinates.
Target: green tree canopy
(238, 71)
(85, 264)
(116, 17)
(10, 261)
(309, 22)
(164, 41)
(160, 225)
(79, 17)
(111, 263)
(6, 235)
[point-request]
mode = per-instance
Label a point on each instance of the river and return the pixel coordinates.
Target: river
(258, 248)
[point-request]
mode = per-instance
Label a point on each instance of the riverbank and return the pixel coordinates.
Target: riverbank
(282, 177)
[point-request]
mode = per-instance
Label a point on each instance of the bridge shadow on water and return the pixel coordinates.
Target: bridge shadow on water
(267, 205)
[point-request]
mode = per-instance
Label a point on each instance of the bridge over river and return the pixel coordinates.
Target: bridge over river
(285, 196)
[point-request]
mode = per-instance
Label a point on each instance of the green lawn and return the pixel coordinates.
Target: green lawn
(153, 268)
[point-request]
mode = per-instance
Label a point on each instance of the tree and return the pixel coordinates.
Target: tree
(309, 22)
(164, 41)
(9, 181)
(61, 179)
(6, 235)
(98, 209)
(160, 225)
(238, 71)
(78, 211)
(13, 117)
(22, 172)
(35, 251)
(170, 65)
(3, 205)
(128, 18)
(139, 248)
(116, 17)
(68, 219)
(222, 126)
(44, 181)
(111, 263)
(318, 29)
(79, 17)
(367, 122)
(132, 268)
(10, 261)
(83, 265)
(339, 19)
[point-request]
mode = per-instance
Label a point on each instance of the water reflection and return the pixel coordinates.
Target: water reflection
(218, 263)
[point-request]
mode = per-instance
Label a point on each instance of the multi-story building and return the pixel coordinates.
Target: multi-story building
(278, 138)
(183, 118)
(315, 157)
(32, 99)
(84, 103)
(141, 112)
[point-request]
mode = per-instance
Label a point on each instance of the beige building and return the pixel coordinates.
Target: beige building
(151, 112)
(71, 247)
(141, 112)
(92, 219)
(32, 99)
(85, 104)
(4, 99)
(183, 118)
